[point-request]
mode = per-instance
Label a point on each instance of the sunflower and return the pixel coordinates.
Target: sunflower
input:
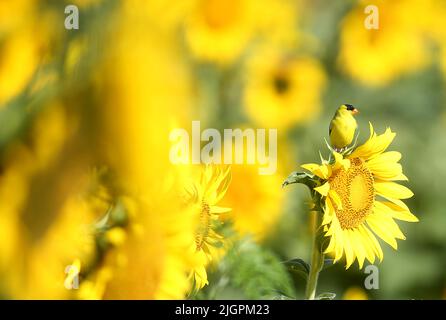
(157, 231)
(19, 52)
(28, 40)
(282, 90)
(257, 209)
(373, 56)
(360, 199)
(202, 198)
(68, 241)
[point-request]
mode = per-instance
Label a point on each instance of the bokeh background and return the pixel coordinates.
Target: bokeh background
(85, 117)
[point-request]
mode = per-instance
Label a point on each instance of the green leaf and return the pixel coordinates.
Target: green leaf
(257, 272)
(282, 297)
(119, 214)
(326, 296)
(299, 267)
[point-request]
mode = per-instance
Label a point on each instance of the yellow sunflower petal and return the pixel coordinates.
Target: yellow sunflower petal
(310, 166)
(358, 246)
(364, 149)
(392, 190)
(340, 162)
(396, 202)
(387, 222)
(322, 171)
(385, 166)
(367, 244)
(200, 277)
(331, 230)
(376, 144)
(328, 212)
(333, 195)
(381, 231)
(222, 184)
(399, 213)
(219, 210)
(331, 246)
(386, 157)
(349, 253)
(382, 142)
(326, 219)
(400, 177)
(323, 189)
(375, 244)
(339, 250)
(336, 240)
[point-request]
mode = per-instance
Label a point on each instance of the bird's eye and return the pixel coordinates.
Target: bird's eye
(350, 107)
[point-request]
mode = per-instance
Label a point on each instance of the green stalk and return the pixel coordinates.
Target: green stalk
(317, 261)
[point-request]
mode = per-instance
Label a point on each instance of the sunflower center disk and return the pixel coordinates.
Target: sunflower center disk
(355, 188)
(281, 84)
(203, 226)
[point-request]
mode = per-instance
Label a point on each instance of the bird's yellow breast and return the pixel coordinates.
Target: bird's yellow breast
(342, 130)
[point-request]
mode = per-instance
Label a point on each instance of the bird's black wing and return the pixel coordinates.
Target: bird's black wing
(331, 123)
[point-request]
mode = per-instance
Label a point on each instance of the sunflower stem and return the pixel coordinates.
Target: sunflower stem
(317, 260)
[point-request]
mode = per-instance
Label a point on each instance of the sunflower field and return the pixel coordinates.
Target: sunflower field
(96, 96)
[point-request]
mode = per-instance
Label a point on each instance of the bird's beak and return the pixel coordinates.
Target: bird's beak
(355, 111)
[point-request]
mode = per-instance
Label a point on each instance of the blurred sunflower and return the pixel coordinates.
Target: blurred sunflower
(164, 15)
(18, 62)
(69, 241)
(355, 293)
(133, 85)
(219, 30)
(13, 192)
(83, 4)
(42, 269)
(21, 162)
(375, 56)
(154, 250)
(282, 91)
(434, 23)
(28, 40)
(23, 9)
(93, 287)
(277, 22)
(202, 198)
(350, 187)
(443, 59)
(256, 205)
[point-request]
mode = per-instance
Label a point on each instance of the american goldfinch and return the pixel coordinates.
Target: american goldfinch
(343, 127)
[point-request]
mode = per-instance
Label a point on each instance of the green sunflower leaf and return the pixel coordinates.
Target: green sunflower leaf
(299, 267)
(253, 272)
(300, 177)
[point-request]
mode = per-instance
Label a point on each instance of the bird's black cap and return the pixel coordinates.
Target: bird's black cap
(349, 107)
